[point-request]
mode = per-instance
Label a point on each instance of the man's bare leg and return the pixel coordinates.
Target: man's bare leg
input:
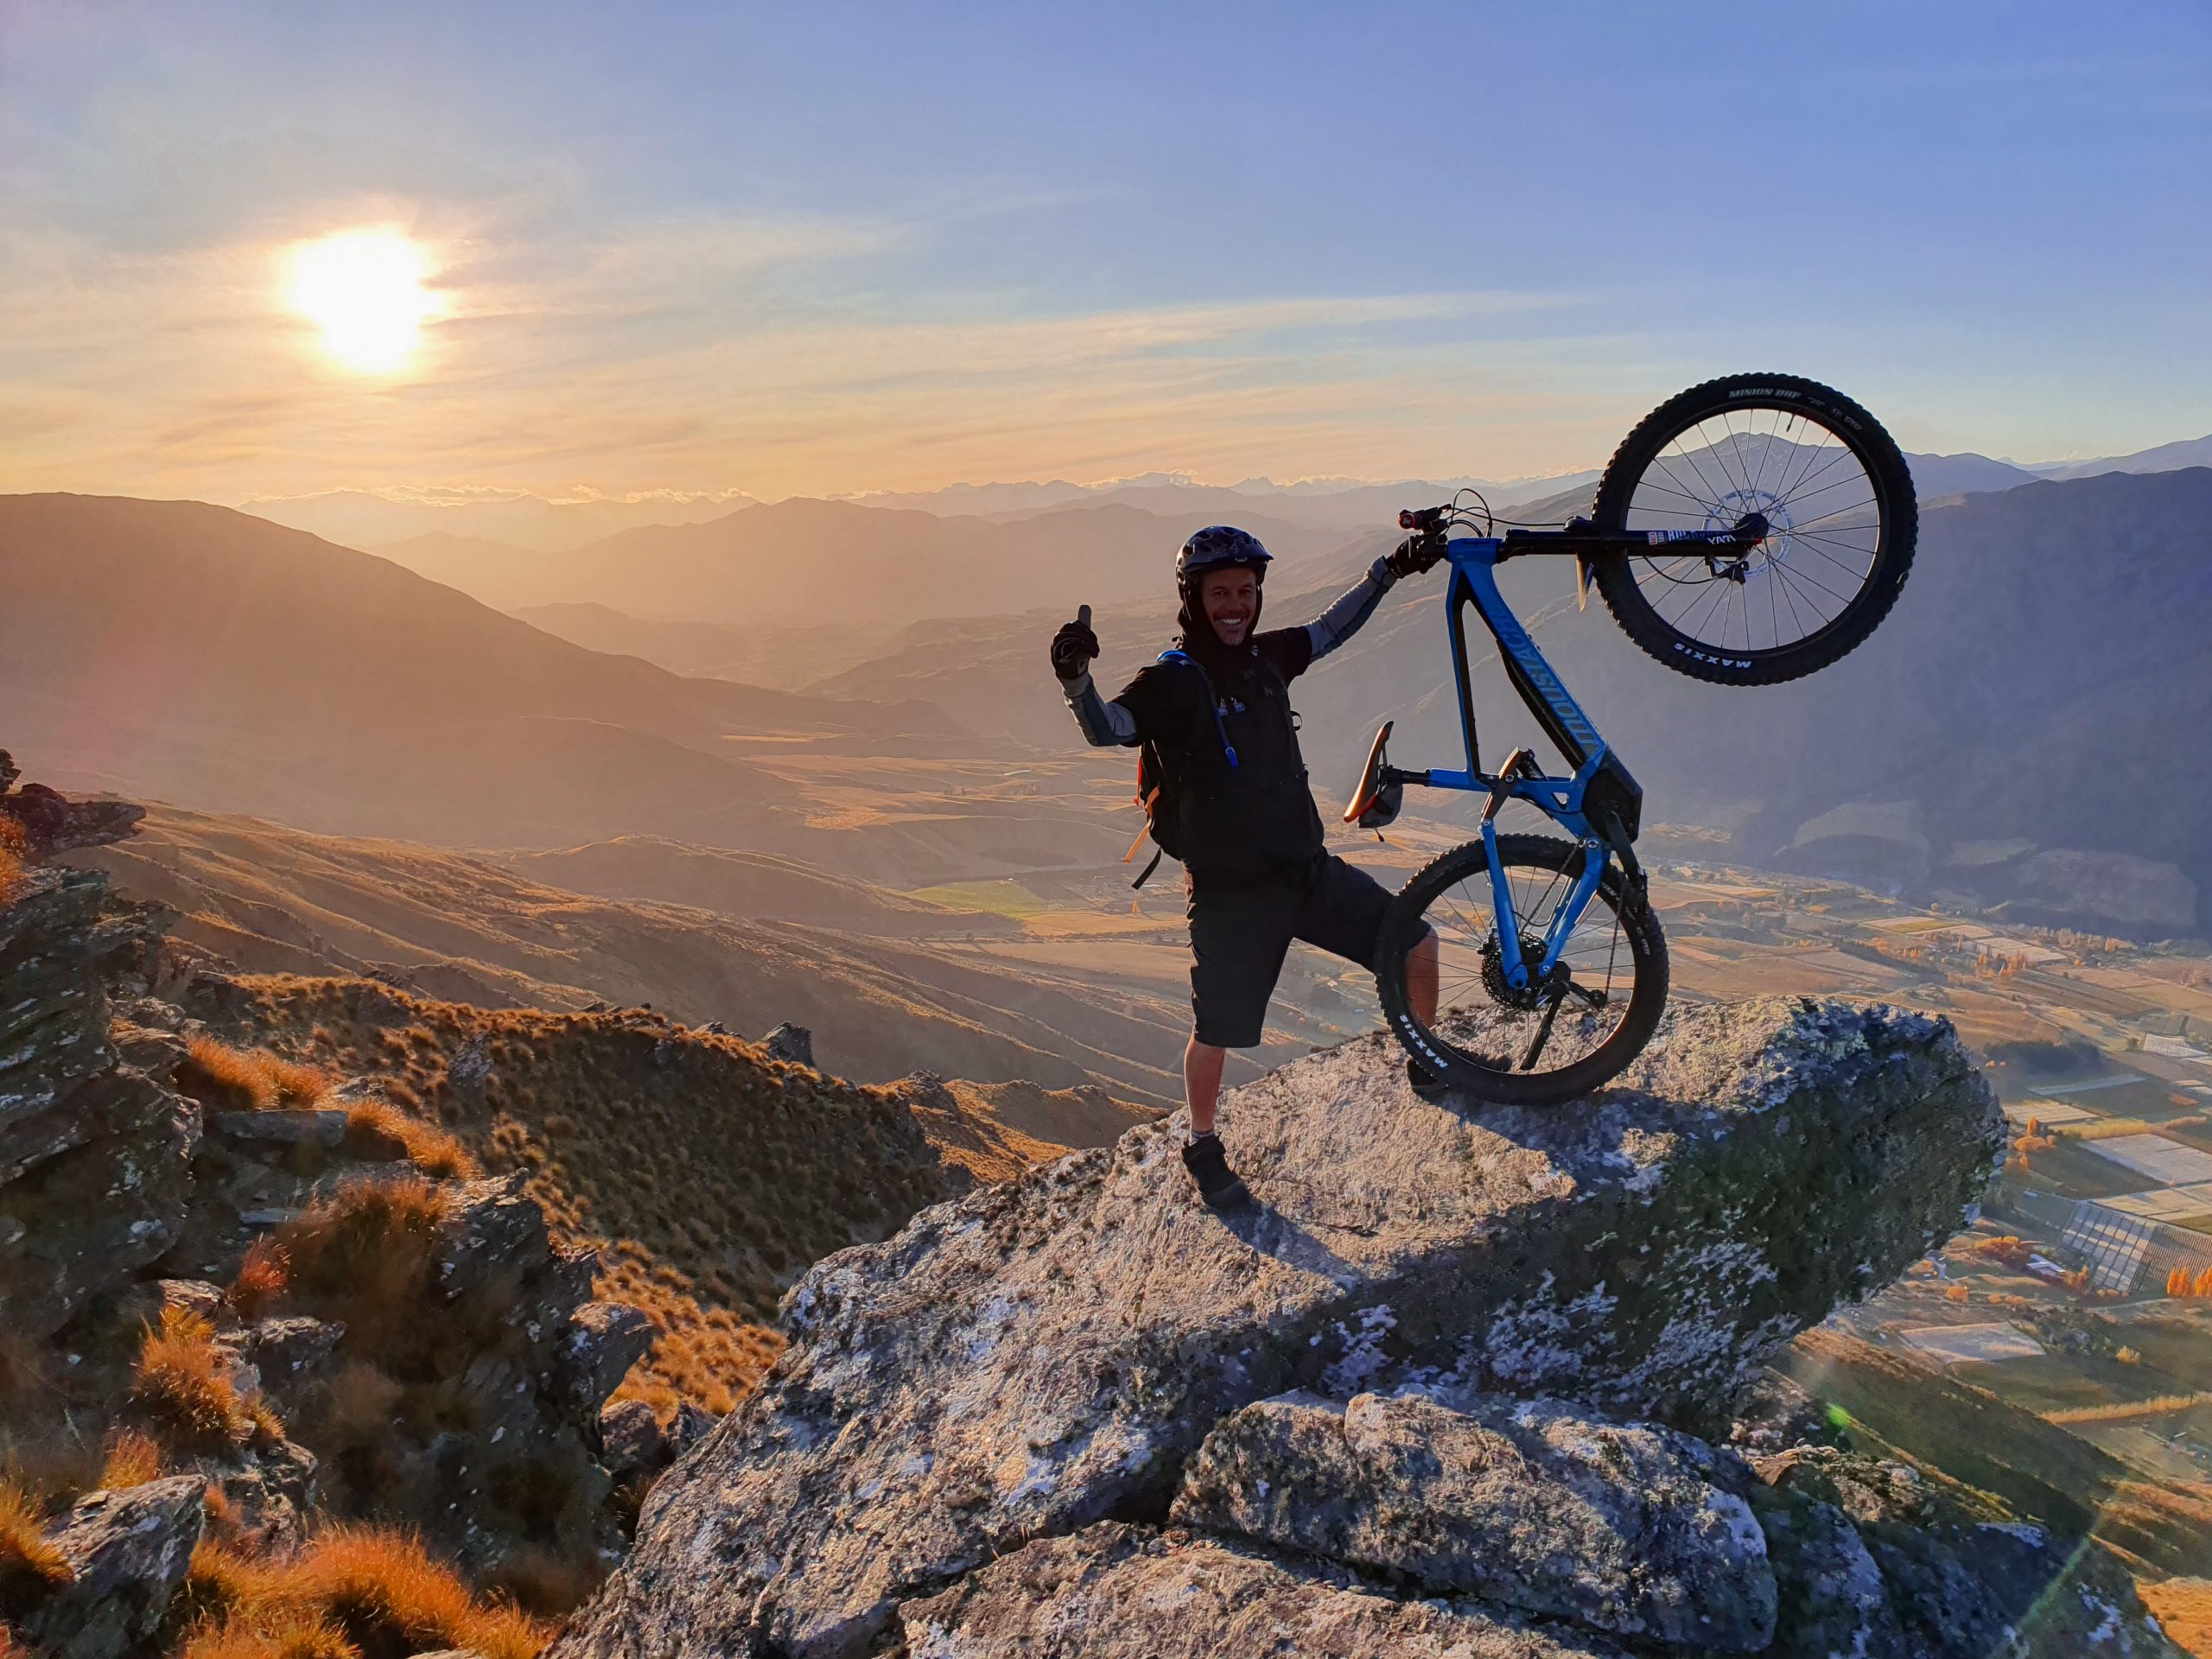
(1421, 980)
(1202, 1064)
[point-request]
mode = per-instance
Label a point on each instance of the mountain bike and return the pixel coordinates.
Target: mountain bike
(1750, 531)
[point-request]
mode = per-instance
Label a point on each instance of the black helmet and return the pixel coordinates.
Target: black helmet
(1218, 547)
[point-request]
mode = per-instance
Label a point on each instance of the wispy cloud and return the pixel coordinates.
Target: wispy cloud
(771, 354)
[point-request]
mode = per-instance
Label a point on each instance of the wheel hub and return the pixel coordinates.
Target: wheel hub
(1761, 511)
(1528, 998)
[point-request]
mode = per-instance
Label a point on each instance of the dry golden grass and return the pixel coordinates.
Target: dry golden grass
(366, 1253)
(356, 1589)
(247, 1080)
(263, 1278)
(15, 857)
(430, 1148)
(2184, 1608)
(710, 1175)
(178, 1386)
(131, 1459)
(29, 1567)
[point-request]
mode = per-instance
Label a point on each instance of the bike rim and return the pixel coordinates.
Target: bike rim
(1499, 1035)
(1816, 489)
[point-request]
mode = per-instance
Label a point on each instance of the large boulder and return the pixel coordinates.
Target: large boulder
(1045, 1354)
(127, 1553)
(1118, 1592)
(1533, 1505)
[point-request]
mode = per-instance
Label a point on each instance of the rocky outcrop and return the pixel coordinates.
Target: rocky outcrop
(95, 1152)
(1120, 1592)
(127, 1552)
(1048, 1353)
(1529, 1504)
(50, 823)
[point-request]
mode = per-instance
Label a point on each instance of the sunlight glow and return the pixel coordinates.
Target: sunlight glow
(365, 290)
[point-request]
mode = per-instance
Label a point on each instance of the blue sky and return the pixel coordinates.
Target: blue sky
(822, 248)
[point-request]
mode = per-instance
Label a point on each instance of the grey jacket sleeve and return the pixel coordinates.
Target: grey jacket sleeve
(1104, 725)
(1343, 620)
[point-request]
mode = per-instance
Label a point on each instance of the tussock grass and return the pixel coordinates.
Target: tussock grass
(2158, 1406)
(709, 1175)
(29, 1566)
(230, 1079)
(15, 857)
(360, 1591)
(263, 1278)
(365, 1254)
(2184, 1608)
(180, 1388)
(131, 1459)
(433, 1151)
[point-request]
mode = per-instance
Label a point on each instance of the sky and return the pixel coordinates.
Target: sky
(832, 248)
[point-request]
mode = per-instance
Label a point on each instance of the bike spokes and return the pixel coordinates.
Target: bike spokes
(1822, 513)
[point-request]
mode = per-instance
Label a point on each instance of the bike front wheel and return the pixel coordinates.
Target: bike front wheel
(1833, 492)
(1546, 1043)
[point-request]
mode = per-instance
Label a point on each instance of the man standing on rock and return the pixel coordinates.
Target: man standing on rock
(1233, 804)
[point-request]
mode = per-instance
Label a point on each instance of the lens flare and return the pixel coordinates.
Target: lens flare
(365, 290)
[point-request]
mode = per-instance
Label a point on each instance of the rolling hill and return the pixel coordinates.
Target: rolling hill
(205, 656)
(461, 929)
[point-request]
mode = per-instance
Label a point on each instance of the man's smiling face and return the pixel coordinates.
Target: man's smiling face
(1230, 599)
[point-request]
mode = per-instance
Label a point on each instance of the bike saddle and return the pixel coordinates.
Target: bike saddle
(1375, 803)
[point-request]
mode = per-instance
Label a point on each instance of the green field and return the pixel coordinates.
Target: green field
(998, 898)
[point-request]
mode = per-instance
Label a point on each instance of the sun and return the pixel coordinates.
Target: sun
(365, 290)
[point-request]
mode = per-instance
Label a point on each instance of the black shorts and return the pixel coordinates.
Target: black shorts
(1240, 934)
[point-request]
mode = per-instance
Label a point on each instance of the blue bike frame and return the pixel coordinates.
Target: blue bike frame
(1599, 805)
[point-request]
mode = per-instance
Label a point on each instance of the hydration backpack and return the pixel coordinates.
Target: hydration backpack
(1159, 789)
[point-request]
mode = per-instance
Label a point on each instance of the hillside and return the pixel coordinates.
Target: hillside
(205, 656)
(809, 564)
(278, 901)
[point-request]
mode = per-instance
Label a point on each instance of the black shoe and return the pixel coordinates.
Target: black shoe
(1209, 1167)
(1426, 1083)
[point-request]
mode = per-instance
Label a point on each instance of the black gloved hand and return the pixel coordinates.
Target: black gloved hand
(1074, 647)
(1414, 555)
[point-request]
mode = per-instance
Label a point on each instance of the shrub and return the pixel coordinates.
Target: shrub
(247, 1080)
(262, 1279)
(428, 1148)
(131, 1459)
(292, 1636)
(29, 1566)
(1956, 1293)
(180, 1387)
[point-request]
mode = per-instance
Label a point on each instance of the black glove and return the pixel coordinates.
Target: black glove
(1074, 647)
(1414, 555)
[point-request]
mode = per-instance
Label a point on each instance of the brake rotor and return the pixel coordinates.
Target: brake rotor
(1533, 996)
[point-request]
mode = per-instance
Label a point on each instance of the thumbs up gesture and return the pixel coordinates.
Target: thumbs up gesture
(1074, 647)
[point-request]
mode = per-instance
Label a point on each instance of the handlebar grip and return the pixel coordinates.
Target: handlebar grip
(1083, 614)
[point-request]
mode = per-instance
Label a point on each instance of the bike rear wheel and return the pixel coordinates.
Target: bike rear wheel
(1604, 998)
(1837, 499)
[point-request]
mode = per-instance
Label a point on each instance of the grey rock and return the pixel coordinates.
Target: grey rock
(629, 1438)
(325, 1129)
(691, 1426)
(1116, 1593)
(1046, 1352)
(788, 1042)
(1534, 1504)
(1962, 1579)
(1832, 1599)
(289, 1355)
(496, 1229)
(471, 1067)
(604, 1339)
(54, 824)
(129, 1550)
